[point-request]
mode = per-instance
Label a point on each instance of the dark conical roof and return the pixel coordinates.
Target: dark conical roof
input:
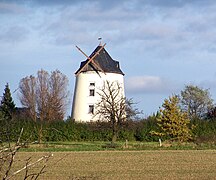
(103, 60)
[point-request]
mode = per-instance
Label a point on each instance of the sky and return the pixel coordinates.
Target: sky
(162, 45)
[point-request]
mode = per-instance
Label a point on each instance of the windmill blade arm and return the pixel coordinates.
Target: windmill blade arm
(98, 67)
(83, 52)
(91, 59)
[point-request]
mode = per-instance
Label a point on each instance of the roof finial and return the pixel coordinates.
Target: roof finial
(100, 39)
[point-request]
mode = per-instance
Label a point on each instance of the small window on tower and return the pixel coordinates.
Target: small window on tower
(91, 92)
(91, 109)
(92, 84)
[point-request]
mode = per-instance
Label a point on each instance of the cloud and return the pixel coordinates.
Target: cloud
(177, 3)
(146, 24)
(154, 28)
(149, 84)
(11, 8)
(107, 4)
(14, 34)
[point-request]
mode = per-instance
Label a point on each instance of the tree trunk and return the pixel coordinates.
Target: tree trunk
(114, 137)
(40, 133)
(114, 132)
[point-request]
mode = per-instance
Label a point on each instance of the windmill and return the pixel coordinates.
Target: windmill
(91, 75)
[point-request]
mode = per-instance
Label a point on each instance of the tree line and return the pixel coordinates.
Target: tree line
(203, 132)
(184, 117)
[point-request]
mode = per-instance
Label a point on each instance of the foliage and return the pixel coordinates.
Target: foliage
(196, 101)
(68, 131)
(7, 104)
(211, 113)
(131, 112)
(44, 96)
(203, 128)
(173, 122)
(144, 129)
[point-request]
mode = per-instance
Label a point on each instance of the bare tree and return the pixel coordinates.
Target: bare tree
(27, 96)
(58, 95)
(42, 94)
(45, 96)
(112, 106)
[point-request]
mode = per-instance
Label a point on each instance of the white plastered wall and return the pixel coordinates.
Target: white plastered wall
(82, 98)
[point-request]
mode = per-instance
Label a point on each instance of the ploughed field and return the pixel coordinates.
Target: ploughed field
(148, 164)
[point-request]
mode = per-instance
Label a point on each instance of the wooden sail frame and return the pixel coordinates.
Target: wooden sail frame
(91, 60)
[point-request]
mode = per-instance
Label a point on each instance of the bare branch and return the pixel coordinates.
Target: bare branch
(18, 141)
(7, 157)
(111, 105)
(31, 165)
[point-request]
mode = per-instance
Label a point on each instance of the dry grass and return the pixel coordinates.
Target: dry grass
(186, 164)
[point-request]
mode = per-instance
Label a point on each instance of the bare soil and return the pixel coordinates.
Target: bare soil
(161, 164)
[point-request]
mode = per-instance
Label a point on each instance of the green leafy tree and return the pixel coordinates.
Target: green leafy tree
(196, 101)
(173, 122)
(7, 104)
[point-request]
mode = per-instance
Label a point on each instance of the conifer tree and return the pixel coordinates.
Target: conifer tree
(173, 122)
(7, 103)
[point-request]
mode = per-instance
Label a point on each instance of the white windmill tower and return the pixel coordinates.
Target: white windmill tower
(90, 77)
